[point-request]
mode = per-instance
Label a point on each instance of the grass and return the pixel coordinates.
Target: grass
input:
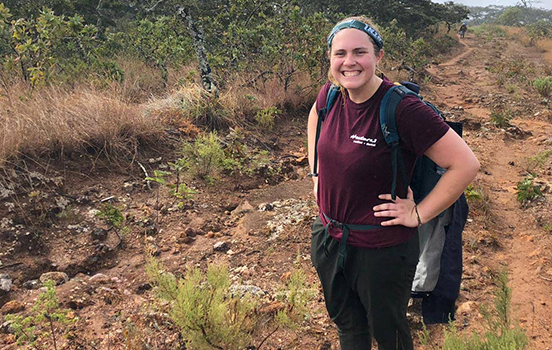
(500, 332)
(479, 202)
(55, 121)
(538, 160)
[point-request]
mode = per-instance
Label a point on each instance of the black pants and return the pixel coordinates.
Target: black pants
(369, 296)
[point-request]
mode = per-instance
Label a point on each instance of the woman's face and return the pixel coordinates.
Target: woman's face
(353, 61)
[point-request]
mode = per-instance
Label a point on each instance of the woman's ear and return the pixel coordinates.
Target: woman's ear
(380, 55)
(329, 53)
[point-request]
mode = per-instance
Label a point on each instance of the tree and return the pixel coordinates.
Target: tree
(451, 13)
(511, 17)
(539, 30)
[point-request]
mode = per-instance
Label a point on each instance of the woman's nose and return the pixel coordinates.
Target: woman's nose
(349, 59)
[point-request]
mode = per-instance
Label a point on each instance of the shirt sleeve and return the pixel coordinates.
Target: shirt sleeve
(322, 95)
(418, 125)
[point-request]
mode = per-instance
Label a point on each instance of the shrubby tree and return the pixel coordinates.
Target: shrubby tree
(451, 13)
(539, 30)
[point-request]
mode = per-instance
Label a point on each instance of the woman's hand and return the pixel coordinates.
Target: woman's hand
(401, 210)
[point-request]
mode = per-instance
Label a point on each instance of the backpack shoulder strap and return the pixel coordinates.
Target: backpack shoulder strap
(331, 96)
(388, 125)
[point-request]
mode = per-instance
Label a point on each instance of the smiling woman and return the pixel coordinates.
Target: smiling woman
(365, 241)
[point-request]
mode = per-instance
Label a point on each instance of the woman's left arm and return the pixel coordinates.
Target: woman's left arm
(449, 152)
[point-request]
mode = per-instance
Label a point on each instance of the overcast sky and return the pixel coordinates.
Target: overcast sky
(547, 4)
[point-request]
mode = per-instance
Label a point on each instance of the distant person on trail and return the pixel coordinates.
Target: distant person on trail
(463, 29)
(364, 243)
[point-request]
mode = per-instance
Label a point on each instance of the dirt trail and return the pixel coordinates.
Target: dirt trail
(503, 156)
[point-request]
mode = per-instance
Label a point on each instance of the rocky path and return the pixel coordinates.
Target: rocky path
(503, 155)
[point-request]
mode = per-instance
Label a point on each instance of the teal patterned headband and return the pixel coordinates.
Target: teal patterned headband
(356, 24)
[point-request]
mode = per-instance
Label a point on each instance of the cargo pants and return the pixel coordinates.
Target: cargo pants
(369, 295)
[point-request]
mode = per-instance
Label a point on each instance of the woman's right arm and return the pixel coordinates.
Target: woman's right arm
(311, 138)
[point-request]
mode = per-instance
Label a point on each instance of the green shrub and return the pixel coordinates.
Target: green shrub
(543, 86)
(267, 116)
(501, 118)
(111, 215)
(526, 189)
(211, 314)
(44, 322)
(204, 156)
(488, 31)
(472, 194)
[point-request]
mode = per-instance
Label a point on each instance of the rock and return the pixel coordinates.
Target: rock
(143, 288)
(12, 307)
(286, 276)
(190, 232)
(151, 227)
(265, 207)
(99, 278)
(6, 327)
(272, 308)
(185, 239)
(91, 214)
(99, 234)
(221, 246)
(56, 276)
(242, 209)
(31, 284)
(5, 284)
(243, 289)
(466, 308)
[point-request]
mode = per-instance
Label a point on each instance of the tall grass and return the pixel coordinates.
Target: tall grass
(55, 121)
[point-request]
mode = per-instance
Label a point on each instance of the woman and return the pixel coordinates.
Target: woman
(367, 282)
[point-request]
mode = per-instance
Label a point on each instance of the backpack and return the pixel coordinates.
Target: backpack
(439, 271)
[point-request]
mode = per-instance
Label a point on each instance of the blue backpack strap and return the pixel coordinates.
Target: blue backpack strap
(388, 125)
(331, 96)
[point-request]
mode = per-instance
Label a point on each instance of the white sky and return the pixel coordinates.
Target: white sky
(547, 4)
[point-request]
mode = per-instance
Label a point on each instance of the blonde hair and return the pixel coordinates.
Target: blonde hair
(377, 49)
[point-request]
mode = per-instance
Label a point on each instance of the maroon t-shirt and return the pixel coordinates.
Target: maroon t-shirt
(355, 161)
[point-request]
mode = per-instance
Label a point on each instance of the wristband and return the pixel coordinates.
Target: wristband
(418, 216)
(313, 175)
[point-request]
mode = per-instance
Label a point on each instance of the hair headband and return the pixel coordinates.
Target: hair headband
(356, 24)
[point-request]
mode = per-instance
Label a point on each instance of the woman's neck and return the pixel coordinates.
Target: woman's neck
(362, 95)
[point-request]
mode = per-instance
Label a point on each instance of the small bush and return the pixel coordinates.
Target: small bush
(112, 216)
(472, 194)
(267, 116)
(488, 31)
(527, 191)
(204, 156)
(543, 86)
(211, 314)
(501, 118)
(41, 329)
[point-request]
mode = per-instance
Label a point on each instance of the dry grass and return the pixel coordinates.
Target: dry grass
(244, 98)
(114, 120)
(55, 121)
